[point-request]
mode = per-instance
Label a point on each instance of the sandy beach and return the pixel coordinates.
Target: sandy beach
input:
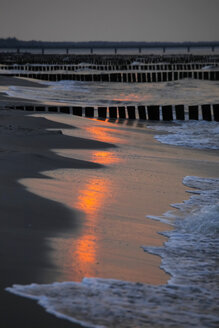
(42, 215)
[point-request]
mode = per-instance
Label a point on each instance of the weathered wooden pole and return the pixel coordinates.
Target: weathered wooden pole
(206, 112)
(153, 113)
(122, 112)
(193, 112)
(131, 112)
(89, 111)
(113, 112)
(142, 112)
(167, 113)
(102, 112)
(180, 112)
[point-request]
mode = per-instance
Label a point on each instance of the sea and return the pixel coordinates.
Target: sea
(190, 255)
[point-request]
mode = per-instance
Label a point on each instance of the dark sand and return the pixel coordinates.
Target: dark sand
(26, 219)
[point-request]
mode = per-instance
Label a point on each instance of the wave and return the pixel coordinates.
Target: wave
(192, 134)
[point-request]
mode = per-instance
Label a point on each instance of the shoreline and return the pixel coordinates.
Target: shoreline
(25, 152)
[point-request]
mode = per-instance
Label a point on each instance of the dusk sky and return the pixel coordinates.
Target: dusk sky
(110, 20)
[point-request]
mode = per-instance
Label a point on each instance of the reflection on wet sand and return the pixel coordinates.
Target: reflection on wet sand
(91, 198)
(106, 241)
(104, 134)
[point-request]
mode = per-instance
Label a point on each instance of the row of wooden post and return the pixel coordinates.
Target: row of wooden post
(126, 77)
(141, 67)
(207, 112)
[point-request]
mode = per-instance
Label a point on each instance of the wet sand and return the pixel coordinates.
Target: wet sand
(37, 232)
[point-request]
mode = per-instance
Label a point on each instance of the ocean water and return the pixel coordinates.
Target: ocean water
(186, 91)
(191, 134)
(190, 255)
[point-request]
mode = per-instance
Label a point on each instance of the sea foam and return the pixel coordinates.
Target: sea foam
(192, 134)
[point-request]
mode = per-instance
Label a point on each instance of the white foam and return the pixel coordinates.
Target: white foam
(193, 134)
(188, 300)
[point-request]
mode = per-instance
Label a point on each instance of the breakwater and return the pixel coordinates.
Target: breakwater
(207, 112)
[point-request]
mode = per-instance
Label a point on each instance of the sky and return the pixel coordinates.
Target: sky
(110, 20)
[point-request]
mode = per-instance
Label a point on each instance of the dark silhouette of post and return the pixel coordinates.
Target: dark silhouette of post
(142, 112)
(102, 112)
(122, 112)
(53, 109)
(206, 112)
(89, 111)
(40, 108)
(76, 110)
(180, 112)
(131, 112)
(65, 109)
(113, 112)
(153, 113)
(167, 113)
(216, 112)
(193, 112)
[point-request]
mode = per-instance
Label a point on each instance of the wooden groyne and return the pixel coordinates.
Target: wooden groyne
(123, 77)
(206, 112)
(139, 66)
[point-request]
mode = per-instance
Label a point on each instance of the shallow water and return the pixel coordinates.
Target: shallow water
(187, 91)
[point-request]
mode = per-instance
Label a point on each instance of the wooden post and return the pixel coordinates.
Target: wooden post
(164, 76)
(122, 112)
(216, 112)
(180, 113)
(153, 113)
(131, 112)
(29, 108)
(142, 112)
(148, 77)
(105, 77)
(76, 110)
(113, 112)
(89, 111)
(65, 109)
(193, 112)
(139, 77)
(102, 112)
(53, 109)
(176, 76)
(154, 77)
(167, 113)
(40, 108)
(206, 112)
(20, 107)
(143, 77)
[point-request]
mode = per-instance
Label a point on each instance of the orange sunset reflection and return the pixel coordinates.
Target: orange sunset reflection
(105, 157)
(91, 198)
(128, 97)
(104, 134)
